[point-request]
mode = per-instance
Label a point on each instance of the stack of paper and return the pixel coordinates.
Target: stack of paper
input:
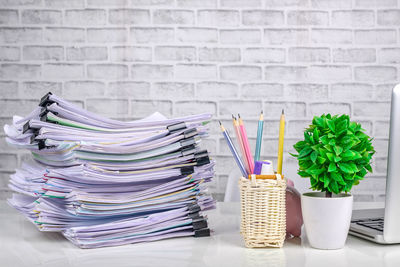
(103, 182)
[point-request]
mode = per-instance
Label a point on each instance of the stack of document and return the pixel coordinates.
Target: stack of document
(104, 182)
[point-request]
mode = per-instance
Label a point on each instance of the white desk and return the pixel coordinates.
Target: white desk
(21, 244)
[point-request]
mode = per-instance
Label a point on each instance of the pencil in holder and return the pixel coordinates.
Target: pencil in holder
(263, 210)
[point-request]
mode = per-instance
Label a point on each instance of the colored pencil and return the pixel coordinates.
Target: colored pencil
(239, 140)
(233, 150)
(259, 137)
(246, 145)
(280, 146)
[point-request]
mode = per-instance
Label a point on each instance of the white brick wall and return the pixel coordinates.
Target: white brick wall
(127, 58)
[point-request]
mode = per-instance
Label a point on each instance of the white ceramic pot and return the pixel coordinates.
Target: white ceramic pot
(326, 220)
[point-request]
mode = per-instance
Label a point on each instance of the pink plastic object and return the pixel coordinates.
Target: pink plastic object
(294, 218)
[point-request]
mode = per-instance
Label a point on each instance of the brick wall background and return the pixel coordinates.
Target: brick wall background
(128, 58)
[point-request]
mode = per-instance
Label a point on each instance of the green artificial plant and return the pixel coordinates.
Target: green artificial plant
(335, 154)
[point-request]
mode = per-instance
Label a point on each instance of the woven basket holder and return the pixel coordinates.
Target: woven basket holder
(263, 207)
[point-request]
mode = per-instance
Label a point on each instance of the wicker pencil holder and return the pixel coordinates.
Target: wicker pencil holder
(263, 207)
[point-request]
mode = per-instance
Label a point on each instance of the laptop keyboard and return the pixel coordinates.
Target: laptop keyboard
(376, 223)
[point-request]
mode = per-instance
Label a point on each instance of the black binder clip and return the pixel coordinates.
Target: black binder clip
(202, 161)
(45, 100)
(42, 144)
(187, 170)
(200, 154)
(202, 232)
(33, 136)
(188, 142)
(194, 215)
(199, 223)
(194, 208)
(190, 133)
(26, 127)
(43, 114)
(188, 150)
(176, 127)
(32, 139)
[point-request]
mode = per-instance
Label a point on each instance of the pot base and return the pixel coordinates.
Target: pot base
(326, 220)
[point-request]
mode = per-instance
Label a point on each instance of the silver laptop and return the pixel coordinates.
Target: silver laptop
(383, 225)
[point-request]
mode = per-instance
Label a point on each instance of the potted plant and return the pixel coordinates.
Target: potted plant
(335, 154)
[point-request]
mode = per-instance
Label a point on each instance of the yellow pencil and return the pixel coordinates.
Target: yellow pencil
(280, 146)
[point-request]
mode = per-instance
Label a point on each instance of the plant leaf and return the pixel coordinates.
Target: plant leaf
(316, 134)
(331, 125)
(303, 174)
(347, 154)
(341, 126)
(334, 187)
(307, 138)
(314, 156)
(305, 151)
(316, 171)
(368, 167)
(352, 126)
(338, 150)
(329, 156)
(321, 160)
(299, 145)
(324, 139)
(336, 158)
(346, 168)
(318, 121)
(326, 182)
(329, 148)
(353, 166)
(332, 167)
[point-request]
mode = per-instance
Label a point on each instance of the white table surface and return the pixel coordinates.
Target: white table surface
(21, 244)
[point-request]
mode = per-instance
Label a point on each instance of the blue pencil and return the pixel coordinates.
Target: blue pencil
(259, 137)
(233, 150)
